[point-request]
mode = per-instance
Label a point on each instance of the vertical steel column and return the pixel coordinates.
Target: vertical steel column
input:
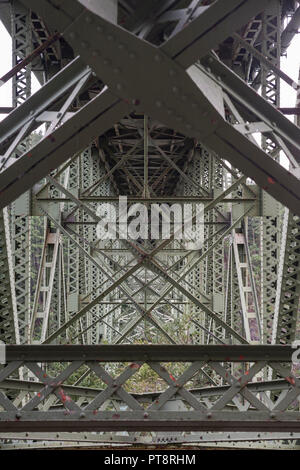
(218, 291)
(197, 275)
(91, 171)
(288, 292)
(44, 288)
(248, 297)
(21, 48)
(207, 171)
(9, 331)
(271, 226)
(20, 220)
(72, 253)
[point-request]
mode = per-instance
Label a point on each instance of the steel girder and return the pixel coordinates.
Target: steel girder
(9, 320)
(234, 408)
(288, 293)
(20, 226)
(82, 441)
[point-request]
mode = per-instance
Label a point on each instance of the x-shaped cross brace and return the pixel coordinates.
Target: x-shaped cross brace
(155, 81)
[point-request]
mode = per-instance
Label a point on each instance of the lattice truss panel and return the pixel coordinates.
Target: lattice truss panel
(115, 403)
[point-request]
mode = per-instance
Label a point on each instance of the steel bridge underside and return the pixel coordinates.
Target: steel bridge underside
(168, 102)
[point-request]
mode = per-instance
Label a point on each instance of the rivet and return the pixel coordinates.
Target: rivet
(172, 73)
(82, 415)
(121, 47)
(179, 118)
(99, 29)
(95, 53)
(272, 415)
(106, 61)
(110, 37)
(119, 86)
(72, 35)
(18, 415)
(157, 57)
(88, 19)
(208, 69)
(132, 55)
(170, 111)
(84, 44)
(158, 104)
(175, 89)
(117, 70)
(188, 126)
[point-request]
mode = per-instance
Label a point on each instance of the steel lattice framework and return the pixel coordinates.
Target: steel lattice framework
(121, 340)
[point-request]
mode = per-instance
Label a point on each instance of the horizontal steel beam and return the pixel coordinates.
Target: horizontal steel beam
(89, 392)
(77, 438)
(164, 353)
(147, 421)
(179, 199)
